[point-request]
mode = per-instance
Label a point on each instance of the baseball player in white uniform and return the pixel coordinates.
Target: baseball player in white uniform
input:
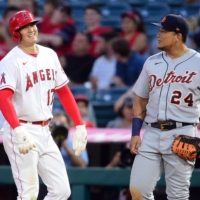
(29, 76)
(167, 99)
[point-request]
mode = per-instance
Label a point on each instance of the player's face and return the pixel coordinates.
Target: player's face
(29, 34)
(166, 39)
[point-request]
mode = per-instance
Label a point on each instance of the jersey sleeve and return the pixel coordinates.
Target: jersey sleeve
(120, 72)
(141, 87)
(61, 77)
(95, 68)
(8, 76)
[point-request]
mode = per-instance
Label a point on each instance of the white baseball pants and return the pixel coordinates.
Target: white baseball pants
(155, 157)
(45, 160)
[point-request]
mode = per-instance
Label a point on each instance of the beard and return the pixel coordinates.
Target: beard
(162, 48)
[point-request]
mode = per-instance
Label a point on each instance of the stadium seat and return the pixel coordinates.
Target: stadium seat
(151, 30)
(137, 2)
(80, 24)
(154, 11)
(98, 2)
(77, 9)
(156, 1)
(110, 95)
(3, 5)
(80, 27)
(176, 2)
(76, 1)
(117, 1)
(57, 104)
(187, 10)
(81, 90)
(103, 112)
(76, 90)
(114, 10)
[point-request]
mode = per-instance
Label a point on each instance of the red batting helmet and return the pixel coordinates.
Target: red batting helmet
(17, 21)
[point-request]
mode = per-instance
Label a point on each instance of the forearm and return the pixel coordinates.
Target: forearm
(93, 81)
(7, 108)
(139, 113)
(118, 81)
(139, 107)
(120, 101)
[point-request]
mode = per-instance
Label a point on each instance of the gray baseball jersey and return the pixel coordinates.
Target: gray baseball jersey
(172, 87)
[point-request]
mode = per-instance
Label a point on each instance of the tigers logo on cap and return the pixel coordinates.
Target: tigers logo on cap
(177, 29)
(164, 19)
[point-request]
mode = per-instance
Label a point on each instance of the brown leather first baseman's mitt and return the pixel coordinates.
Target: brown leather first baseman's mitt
(186, 147)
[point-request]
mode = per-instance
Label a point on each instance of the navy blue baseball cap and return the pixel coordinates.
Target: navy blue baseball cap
(175, 23)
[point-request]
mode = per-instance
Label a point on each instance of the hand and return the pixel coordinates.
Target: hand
(115, 161)
(80, 139)
(134, 145)
(24, 140)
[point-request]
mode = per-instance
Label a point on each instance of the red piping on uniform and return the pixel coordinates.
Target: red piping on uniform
(16, 164)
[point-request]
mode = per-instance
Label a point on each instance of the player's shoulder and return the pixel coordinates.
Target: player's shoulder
(151, 60)
(195, 53)
(46, 50)
(155, 57)
(10, 57)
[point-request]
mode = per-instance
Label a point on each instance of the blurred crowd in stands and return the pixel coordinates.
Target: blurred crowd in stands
(101, 58)
(101, 61)
(102, 52)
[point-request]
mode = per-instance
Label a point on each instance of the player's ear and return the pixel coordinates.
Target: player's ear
(179, 36)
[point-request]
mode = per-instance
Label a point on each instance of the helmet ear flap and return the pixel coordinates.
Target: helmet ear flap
(16, 36)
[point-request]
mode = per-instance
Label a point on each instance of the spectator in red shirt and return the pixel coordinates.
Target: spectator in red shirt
(82, 103)
(49, 7)
(134, 32)
(92, 18)
(57, 31)
(6, 43)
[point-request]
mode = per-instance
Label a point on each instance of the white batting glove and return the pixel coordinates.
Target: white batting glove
(24, 140)
(80, 139)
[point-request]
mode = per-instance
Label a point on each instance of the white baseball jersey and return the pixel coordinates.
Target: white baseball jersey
(33, 80)
(172, 87)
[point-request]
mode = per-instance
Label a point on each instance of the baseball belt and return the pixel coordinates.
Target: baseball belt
(169, 125)
(42, 123)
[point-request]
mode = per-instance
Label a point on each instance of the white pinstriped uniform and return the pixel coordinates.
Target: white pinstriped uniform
(34, 81)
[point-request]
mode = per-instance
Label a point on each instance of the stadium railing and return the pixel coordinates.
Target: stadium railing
(81, 178)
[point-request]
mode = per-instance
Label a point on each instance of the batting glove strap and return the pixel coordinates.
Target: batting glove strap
(24, 140)
(80, 139)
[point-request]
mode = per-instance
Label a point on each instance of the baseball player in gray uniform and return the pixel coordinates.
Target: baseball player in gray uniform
(167, 99)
